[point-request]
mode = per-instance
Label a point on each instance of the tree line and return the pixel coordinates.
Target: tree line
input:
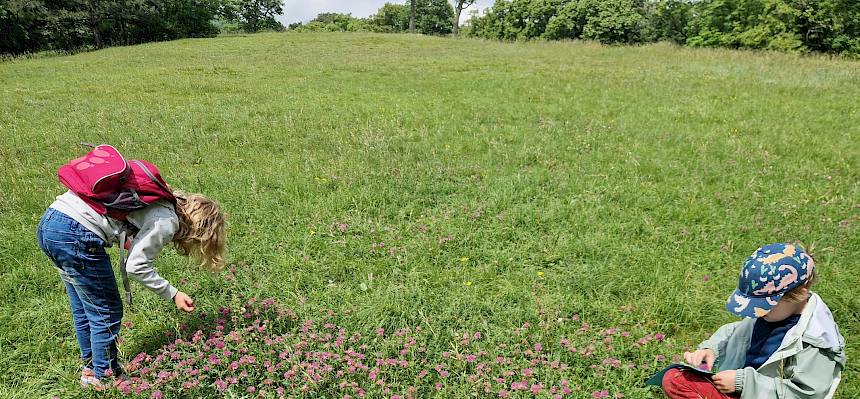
(64, 25)
(828, 26)
(429, 17)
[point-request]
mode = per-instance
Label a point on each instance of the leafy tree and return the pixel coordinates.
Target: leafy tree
(667, 20)
(612, 21)
(568, 23)
(391, 18)
(257, 15)
(340, 22)
(788, 25)
(21, 26)
(33, 25)
(433, 17)
(607, 21)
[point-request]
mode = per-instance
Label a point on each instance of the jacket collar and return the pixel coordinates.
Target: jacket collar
(816, 327)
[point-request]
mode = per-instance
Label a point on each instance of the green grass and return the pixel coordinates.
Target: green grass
(624, 174)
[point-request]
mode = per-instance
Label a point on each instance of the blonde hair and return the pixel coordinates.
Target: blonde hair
(797, 294)
(201, 233)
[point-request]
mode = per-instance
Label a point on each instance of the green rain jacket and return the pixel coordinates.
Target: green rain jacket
(807, 365)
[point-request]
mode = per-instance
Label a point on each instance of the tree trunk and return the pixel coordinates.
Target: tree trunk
(412, 17)
(455, 30)
(459, 6)
(94, 25)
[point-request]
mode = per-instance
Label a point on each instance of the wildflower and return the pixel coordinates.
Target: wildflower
(600, 394)
(157, 395)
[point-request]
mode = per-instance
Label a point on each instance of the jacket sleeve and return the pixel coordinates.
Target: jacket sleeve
(717, 341)
(812, 378)
(156, 231)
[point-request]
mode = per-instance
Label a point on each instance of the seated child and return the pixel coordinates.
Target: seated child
(788, 345)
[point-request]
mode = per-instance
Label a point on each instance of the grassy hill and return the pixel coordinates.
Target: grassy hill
(545, 196)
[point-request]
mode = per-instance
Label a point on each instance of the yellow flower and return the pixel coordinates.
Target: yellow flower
(468, 284)
(464, 259)
(312, 232)
(540, 274)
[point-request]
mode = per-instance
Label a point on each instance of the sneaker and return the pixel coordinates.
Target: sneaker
(89, 380)
(87, 375)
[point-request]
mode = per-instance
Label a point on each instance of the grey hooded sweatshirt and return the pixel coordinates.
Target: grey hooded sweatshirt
(156, 225)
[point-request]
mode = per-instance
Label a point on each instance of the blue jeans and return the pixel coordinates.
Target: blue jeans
(85, 269)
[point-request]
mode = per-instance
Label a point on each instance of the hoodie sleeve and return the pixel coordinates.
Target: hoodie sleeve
(812, 377)
(717, 342)
(157, 224)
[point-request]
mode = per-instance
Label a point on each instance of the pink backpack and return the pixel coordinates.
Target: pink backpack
(113, 186)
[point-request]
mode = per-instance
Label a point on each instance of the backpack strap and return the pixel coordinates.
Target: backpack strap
(123, 257)
(151, 176)
(123, 253)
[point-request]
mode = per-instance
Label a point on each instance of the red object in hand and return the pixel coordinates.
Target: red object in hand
(680, 384)
(127, 244)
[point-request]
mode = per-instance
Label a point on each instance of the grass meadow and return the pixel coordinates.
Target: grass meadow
(427, 217)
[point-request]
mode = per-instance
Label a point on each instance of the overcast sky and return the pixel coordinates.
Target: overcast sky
(306, 10)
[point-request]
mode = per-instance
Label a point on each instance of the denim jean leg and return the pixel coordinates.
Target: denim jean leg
(103, 306)
(58, 238)
(82, 325)
(85, 268)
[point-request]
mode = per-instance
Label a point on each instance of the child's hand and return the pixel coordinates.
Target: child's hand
(183, 302)
(725, 381)
(700, 356)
